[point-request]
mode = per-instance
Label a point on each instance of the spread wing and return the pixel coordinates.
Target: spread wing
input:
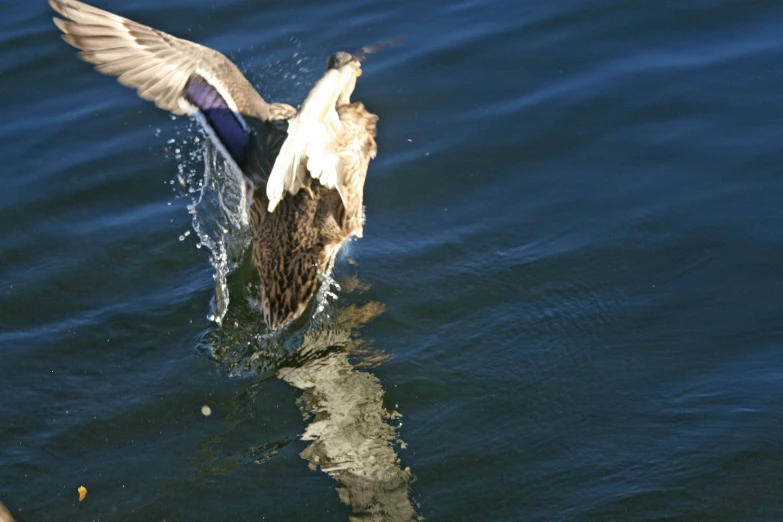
(333, 141)
(311, 144)
(179, 76)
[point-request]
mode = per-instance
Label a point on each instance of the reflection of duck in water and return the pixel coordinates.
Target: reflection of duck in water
(299, 220)
(350, 432)
(351, 438)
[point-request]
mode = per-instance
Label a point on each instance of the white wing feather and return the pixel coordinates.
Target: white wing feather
(312, 140)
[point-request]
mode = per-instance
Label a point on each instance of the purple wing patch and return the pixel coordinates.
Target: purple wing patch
(224, 122)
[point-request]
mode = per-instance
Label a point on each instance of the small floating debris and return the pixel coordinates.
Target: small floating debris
(206, 411)
(82, 493)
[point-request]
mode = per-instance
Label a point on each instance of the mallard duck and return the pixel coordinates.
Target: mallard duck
(304, 170)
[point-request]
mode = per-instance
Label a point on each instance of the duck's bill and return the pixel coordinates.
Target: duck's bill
(361, 55)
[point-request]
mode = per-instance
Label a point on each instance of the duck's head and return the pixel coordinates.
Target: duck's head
(349, 66)
(340, 59)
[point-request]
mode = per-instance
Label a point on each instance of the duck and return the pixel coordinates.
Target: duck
(303, 170)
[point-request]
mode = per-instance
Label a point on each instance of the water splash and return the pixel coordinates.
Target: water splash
(218, 205)
(220, 220)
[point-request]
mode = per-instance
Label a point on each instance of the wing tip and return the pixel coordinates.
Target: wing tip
(57, 6)
(70, 40)
(61, 24)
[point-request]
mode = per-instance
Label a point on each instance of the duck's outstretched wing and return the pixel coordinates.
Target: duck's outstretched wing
(179, 76)
(355, 149)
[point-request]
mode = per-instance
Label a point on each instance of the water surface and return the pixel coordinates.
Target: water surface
(566, 305)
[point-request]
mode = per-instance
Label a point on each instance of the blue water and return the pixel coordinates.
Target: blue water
(566, 304)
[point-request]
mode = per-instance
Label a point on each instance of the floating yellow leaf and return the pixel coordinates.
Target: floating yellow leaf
(82, 493)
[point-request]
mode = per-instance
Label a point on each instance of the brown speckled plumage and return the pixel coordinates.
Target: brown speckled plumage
(296, 243)
(292, 246)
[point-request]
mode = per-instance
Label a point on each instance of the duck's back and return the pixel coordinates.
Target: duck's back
(294, 245)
